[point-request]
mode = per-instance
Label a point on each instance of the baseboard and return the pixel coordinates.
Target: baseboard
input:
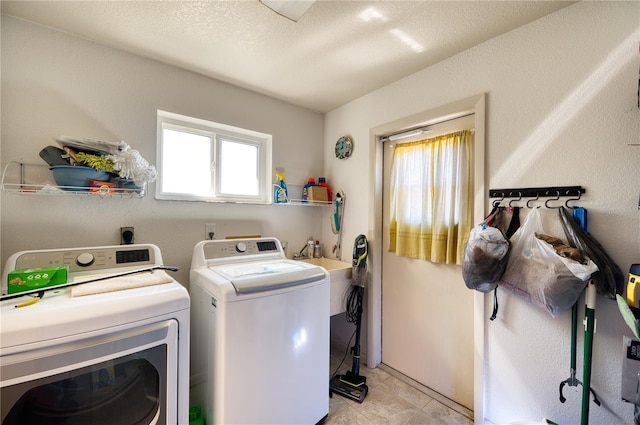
(428, 391)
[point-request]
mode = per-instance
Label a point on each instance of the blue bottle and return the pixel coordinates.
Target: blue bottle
(280, 194)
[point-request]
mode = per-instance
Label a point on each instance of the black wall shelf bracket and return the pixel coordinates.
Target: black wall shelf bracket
(537, 192)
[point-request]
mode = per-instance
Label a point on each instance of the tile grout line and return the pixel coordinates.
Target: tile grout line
(428, 391)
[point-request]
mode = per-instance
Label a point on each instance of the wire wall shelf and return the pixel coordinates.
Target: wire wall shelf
(295, 198)
(37, 180)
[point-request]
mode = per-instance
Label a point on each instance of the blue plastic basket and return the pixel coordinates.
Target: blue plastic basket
(71, 177)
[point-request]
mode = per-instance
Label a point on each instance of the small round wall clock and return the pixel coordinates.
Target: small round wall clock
(344, 147)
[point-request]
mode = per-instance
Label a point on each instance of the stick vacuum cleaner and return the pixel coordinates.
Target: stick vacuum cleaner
(352, 385)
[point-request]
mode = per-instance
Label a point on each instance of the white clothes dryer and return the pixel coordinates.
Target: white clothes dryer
(260, 334)
(111, 358)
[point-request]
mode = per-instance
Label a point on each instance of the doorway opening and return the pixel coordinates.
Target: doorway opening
(473, 107)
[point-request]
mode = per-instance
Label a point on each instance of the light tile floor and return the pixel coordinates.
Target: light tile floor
(391, 400)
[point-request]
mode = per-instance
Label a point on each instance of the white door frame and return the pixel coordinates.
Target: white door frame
(476, 105)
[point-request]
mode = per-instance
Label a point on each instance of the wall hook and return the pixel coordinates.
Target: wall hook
(516, 200)
(546, 203)
(533, 200)
(566, 203)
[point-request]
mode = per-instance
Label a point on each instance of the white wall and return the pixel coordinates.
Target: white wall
(561, 110)
(54, 84)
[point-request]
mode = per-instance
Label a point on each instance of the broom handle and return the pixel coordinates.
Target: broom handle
(574, 331)
(67, 285)
(589, 329)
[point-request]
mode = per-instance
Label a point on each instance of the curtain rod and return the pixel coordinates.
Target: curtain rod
(405, 134)
(417, 130)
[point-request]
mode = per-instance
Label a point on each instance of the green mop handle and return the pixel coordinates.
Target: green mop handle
(589, 330)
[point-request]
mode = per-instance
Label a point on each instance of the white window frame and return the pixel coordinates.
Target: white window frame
(216, 132)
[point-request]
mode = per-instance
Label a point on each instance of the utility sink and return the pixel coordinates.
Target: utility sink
(340, 276)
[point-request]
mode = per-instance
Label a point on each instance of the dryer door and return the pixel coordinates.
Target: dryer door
(122, 377)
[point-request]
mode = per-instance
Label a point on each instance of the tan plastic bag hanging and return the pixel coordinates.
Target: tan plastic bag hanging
(537, 274)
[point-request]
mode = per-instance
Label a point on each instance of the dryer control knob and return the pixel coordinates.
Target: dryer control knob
(85, 259)
(241, 247)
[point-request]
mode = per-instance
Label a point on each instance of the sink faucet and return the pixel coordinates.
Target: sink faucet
(303, 253)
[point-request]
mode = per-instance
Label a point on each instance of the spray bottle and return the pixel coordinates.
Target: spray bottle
(280, 194)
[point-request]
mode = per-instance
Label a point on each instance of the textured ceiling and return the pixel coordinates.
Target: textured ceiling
(337, 52)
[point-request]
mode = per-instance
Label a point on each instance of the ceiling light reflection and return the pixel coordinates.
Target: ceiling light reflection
(372, 14)
(407, 39)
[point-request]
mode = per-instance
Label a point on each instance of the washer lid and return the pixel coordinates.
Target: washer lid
(248, 278)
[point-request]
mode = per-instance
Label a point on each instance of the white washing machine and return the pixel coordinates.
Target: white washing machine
(109, 358)
(260, 334)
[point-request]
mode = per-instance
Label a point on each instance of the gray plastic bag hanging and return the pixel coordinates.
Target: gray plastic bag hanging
(485, 257)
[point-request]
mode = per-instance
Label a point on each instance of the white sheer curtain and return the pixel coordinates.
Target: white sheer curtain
(432, 198)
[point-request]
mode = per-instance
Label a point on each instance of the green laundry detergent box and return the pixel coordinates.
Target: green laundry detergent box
(29, 279)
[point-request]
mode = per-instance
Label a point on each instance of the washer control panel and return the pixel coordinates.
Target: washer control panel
(218, 249)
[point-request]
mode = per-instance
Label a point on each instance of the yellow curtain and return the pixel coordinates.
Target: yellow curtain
(432, 198)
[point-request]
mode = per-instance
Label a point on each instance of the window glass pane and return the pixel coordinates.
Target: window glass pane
(201, 160)
(186, 162)
(238, 168)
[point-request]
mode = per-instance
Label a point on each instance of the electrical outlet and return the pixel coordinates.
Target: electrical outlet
(126, 235)
(210, 231)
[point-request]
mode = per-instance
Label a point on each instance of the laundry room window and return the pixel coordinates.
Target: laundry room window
(200, 160)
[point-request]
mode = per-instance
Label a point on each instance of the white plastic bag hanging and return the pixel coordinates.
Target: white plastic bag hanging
(537, 274)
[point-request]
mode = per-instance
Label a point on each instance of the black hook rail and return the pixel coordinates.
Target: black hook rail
(537, 192)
